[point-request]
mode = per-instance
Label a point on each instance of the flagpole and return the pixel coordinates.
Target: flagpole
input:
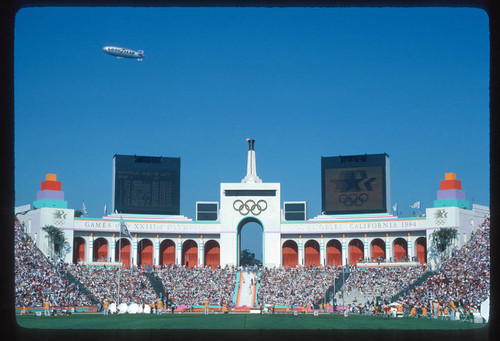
(119, 261)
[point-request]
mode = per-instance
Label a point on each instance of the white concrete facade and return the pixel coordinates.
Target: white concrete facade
(252, 200)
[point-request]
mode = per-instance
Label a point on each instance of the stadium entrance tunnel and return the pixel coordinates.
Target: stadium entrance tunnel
(100, 253)
(421, 247)
(78, 250)
(378, 249)
(145, 252)
(122, 252)
(290, 254)
(356, 251)
(167, 252)
(400, 249)
(311, 249)
(334, 252)
(190, 253)
(212, 254)
(252, 237)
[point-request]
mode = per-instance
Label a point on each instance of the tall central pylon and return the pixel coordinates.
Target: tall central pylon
(251, 168)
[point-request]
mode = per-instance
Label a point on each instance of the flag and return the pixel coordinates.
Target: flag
(84, 209)
(416, 205)
(123, 228)
(395, 207)
(105, 210)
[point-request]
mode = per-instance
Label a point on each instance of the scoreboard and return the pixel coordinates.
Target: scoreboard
(146, 184)
(355, 184)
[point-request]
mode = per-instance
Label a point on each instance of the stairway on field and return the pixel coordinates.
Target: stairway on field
(247, 291)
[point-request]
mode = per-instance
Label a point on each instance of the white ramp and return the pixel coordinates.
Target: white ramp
(247, 289)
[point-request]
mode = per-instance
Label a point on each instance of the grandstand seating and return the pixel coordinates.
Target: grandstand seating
(463, 278)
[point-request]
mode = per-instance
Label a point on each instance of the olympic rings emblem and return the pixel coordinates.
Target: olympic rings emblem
(58, 222)
(353, 199)
(440, 221)
(250, 206)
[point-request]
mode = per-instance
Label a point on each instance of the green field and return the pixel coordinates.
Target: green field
(238, 322)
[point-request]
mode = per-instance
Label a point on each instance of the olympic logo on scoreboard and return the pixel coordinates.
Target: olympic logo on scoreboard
(353, 199)
(250, 206)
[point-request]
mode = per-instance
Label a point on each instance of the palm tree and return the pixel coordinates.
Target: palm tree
(57, 238)
(442, 239)
(78, 213)
(248, 258)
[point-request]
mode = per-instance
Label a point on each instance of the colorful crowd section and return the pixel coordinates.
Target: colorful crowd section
(461, 283)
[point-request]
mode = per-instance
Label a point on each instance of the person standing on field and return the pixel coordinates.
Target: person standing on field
(205, 309)
(159, 307)
(47, 307)
(106, 307)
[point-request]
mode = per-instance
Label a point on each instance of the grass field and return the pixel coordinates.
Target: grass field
(238, 322)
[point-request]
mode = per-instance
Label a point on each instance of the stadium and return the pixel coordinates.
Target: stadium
(354, 259)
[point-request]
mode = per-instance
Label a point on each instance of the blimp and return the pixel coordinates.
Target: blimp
(121, 52)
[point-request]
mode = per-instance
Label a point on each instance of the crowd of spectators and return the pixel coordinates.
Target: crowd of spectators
(105, 283)
(298, 286)
(194, 286)
(38, 280)
(383, 282)
(463, 278)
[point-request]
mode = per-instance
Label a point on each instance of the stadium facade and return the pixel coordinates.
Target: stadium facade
(328, 239)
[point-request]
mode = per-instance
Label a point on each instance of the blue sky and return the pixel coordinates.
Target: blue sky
(303, 82)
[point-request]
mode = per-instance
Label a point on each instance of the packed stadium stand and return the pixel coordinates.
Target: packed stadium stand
(461, 283)
(102, 282)
(193, 286)
(295, 286)
(38, 280)
(463, 278)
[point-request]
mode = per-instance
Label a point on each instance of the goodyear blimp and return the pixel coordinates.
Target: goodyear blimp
(121, 52)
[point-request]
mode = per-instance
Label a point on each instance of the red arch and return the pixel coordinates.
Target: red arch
(400, 248)
(190, 253)
(378, 249)
(78, 250)
(212, 254)
(334, 253)
(356, 251)
(122, 254)
(421, 250)
(312, 253)
(167, 252)
(145, 252)
(290, 254)
(100, 250)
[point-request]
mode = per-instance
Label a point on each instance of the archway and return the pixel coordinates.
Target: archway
(78, 250)
(167, 252)
(212, 254)
(378, 249)
(190, 253)
(334, 253)
(421, 246)
(400, 249)
(250, 241)
(100, 253)
(290, 254)
(145, 252)
(311, 248)
(122, 252)
(356, 251)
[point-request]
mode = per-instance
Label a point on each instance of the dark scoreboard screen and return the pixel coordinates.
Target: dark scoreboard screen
(355, 184)
(146, 184)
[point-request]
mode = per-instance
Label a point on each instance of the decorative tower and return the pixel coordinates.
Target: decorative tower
(251, 168)
(50, 194)
(451, 194)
